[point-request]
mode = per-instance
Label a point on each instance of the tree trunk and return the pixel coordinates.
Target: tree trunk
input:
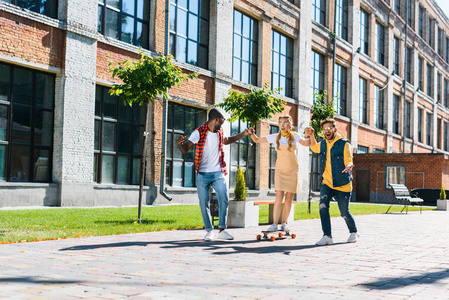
(142, 163)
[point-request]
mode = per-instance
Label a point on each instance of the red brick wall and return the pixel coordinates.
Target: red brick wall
(435, 168)
(31, 41)
(116, 55)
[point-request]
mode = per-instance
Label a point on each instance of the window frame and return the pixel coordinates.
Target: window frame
(104, 10)
(134, 152)
(317, 69)
(34, 109)
(287, 88)
(396, 113)
(341, 87)
(419, 123)
(363, 100)
(173, 132)
(364, 32)
(428, 129)
(38, 7)
(342, 19)
(400, 170)
(379, 43)
(319, 12)
(252, 55)
(193, 43)
(407, 120)
(429, 81)
(378, 107)
(396, 56)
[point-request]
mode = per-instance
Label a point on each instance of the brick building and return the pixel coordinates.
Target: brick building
(65, 141)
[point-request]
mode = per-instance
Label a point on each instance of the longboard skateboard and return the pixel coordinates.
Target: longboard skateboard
(271, 235)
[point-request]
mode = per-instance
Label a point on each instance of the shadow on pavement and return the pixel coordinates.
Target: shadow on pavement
(37, 280)
(217, 247)
(389, 283)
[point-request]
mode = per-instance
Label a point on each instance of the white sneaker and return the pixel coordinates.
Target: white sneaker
(353, 237)
(224, 235)
(272, 228)
(209, 236)
(285, 227)
(325, 240)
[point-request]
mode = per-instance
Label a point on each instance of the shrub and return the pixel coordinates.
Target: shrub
(442, 193)
(240, 186)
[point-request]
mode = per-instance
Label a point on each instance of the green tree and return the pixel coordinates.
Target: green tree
(442, 194)
(320, 111)
(254, 106)
(142, 82)
(240, 186)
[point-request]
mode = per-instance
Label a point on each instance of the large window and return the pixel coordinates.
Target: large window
(362, 149)
(420, 114)
(447, 49)
(445, 133)
(407, 113)
(125, 20)
(428, 129)
(340, 92)
(429, 85)
(395, 175)
(439, 133)
(430, 31)
(397, 6)
(364, 31)
(379, 43)
(118, 139)
(396, 101)
(189, 31)
(244, 65)
(396, 50)
(282, 63)
(342, 19)
(408, 71)
(439, 99)
(317, 72)
(26, 124)
(420, 73)
(378, 107)
(440, 41)
(446, 93)
(421, 22)
(243, 155)
(363, 100)
(408, 6)
(273, 156)
(45, 7)
(319, 11)
(182, 120)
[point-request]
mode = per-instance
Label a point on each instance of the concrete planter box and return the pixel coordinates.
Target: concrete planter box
(242, 214)
(442, 204)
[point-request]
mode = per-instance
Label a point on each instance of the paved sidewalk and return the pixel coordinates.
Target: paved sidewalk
(398, 256)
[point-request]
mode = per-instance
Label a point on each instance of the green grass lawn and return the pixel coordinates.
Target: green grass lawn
(26, 225)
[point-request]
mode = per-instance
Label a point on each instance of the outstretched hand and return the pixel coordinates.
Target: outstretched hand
(249, 131)
(309, 131)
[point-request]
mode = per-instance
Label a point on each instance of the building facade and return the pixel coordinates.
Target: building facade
(65, 141)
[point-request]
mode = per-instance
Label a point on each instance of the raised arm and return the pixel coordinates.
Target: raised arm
(255, 138)
(183, 145)
(232, 139)
(306, 141)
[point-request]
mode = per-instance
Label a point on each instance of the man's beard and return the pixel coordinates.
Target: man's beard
(217, 128)
(331, 136)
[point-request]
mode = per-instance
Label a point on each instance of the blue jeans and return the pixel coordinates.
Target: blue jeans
(342, 199)
(203, 182)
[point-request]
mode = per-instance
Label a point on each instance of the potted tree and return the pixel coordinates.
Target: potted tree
(442, 203)
(242, 213)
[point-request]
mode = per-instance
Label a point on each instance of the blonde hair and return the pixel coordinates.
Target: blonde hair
(290, 138)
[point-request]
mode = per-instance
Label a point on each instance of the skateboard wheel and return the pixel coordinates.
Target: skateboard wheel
(280, 234)
(272, 238)
(259, 237)
(293, 236)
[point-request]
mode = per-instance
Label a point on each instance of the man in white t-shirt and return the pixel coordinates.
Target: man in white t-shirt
(211, 169)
